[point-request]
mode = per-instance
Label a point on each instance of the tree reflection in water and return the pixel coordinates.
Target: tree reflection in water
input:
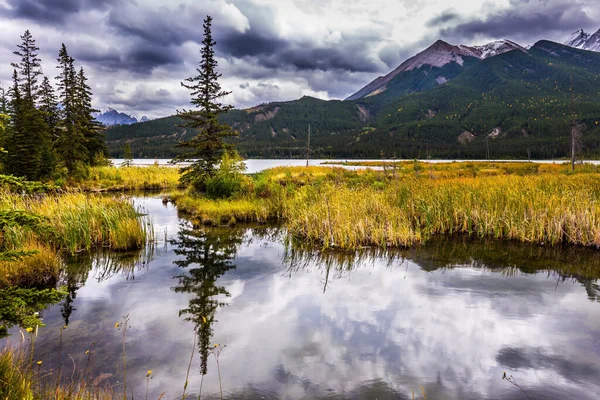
(207, 255)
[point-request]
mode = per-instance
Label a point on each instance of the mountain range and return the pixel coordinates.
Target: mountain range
(112, 117)
(500, 100)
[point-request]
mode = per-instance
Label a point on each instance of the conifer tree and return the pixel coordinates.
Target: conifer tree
(90, 128)
(29, 143)
(3, 101)
(208, 146)
(29, 68)
(71, 144)
(127, 155)
(48, 105)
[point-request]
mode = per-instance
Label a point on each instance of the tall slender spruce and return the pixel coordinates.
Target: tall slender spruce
(207, 147)
(90, 128)
(29, 68)
(71, 143)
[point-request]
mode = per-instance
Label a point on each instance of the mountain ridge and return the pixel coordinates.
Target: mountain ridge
(516, 104)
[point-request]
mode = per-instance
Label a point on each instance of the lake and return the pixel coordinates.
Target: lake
(256, 165)
(293, 322)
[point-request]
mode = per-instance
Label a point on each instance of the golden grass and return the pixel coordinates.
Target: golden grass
(332, 207)
(42, 268)
(537, 209)
(131, 178)
(73, 222)
(79, 222)
(217, 212)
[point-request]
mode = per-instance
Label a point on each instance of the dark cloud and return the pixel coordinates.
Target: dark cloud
(53, 11)
(265, 52)
(250, 44)
(443, 18)
(525, 21)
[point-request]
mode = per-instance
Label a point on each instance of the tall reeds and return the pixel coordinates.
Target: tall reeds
(546, 209)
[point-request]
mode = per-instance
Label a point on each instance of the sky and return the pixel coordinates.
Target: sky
(137, 52)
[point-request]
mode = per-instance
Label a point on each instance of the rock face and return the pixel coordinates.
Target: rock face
(466, 137)
(584, 41)
(437, 55)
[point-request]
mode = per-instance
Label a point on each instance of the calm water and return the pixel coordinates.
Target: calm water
(256, 165)
(300, 324)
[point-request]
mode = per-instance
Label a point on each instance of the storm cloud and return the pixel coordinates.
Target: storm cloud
(137, 52)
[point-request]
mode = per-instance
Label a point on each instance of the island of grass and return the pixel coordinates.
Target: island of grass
(332, 207)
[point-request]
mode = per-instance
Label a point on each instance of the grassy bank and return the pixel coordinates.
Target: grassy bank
(331, 207)
(67, 223)
(130, 178)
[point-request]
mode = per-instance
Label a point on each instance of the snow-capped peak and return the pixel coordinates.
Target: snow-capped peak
(495, 48)
(584, 41)
(577, 39)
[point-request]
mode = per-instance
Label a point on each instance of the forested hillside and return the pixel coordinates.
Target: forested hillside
(513, 105)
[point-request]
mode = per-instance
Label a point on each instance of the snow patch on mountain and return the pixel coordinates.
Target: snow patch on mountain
(584, 41)
(495, 48)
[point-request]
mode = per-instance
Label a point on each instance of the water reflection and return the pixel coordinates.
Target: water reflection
(300, 323)
(207, 255)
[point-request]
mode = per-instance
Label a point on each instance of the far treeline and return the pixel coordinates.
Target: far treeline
(48, 135)
(515, 105)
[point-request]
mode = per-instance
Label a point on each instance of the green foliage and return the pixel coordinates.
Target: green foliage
(228, 180)
(21, 185)
(19, 306)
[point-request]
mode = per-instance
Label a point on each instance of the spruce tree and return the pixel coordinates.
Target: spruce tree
(48, 105)
(29, 68)
(127, 155)
(3, 101)
(208, 146)
(71, 144)
(90, 128)
(29, 143)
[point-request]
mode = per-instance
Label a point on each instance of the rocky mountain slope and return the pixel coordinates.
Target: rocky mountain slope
(433, 60)
(112, 117)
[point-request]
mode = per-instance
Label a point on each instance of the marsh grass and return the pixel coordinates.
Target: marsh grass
(536, 209)
(107, 178)
(70, 224)
(78, 222)
(332, 207)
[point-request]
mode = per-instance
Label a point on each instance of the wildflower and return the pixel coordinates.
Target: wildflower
(203, 319)
(149, 373)
(29, 330)
(216, 345)
(39, 362)
(116, 324)
(87, 352)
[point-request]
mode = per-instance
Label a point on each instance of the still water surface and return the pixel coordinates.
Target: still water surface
(256, 165)
(451, 317)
